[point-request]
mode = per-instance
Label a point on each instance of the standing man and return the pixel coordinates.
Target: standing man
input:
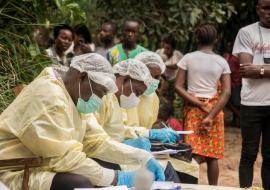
(252, 46)
(129, 47)
(106, 37)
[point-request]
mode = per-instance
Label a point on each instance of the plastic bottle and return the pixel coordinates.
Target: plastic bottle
(144, 179)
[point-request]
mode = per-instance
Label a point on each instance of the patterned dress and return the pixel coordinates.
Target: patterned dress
(207, 143)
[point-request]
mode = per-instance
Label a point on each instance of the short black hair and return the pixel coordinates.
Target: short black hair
(81, 29)
(170, 40)
(112, 24)
(206, 34)
(58, 28)
(130, 20)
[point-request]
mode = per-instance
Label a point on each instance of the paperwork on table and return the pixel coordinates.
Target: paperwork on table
(184, 132)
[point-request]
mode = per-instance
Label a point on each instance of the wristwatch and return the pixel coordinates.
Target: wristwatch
(262, 72)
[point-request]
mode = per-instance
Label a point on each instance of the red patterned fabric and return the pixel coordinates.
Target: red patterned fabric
(208, 143)
(175, 124)
(234, 65)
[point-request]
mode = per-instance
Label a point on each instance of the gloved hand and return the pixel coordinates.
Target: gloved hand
(166, 135)
(125, 178)
(141, 143)
(153, 166)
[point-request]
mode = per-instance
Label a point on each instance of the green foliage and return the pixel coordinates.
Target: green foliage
(21, 58)
(70, 11)
(245, 14)
(19, 64)
(162, 18)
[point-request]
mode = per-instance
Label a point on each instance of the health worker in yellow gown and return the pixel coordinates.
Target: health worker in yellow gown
(52, 118)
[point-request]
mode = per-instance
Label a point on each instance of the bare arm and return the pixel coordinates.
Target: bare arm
(249, 70)
(224, 97)
(267, 70)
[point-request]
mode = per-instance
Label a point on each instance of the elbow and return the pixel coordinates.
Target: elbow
(178, 89)
(176, 86)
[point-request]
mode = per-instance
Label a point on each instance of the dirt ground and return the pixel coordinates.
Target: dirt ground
(228, 173)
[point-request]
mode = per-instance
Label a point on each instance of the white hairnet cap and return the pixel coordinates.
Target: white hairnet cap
(98, 69)
(135, 69)
(149, 57)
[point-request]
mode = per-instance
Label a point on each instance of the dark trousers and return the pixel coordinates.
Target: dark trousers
(254, 123)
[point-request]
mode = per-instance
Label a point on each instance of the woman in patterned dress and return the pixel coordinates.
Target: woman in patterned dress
(203, 109)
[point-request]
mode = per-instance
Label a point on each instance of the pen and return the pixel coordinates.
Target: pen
(164, 124)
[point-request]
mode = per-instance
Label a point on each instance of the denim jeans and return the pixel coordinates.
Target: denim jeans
(254, 123)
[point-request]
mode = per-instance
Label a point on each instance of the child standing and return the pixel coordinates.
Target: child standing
(203, 110)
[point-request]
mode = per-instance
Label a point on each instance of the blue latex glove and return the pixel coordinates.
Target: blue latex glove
(166, 135)
(141, 143)
(125, 178)
(153, 166)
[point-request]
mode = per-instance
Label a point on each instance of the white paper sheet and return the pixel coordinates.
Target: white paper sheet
(163, 185)
(184, 132)
(168, 151)
(123, 187)
(2, 186)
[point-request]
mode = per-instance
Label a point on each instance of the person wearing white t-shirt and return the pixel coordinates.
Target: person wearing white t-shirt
(252, 46)
(203, 112)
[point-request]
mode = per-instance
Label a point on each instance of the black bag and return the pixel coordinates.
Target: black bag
(185, 150)
(171, 174)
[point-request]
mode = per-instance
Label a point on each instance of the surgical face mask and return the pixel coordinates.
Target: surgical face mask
(130, 101)
(152, 88)
(91, 105)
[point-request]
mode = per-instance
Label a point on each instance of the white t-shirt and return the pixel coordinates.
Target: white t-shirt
(203, 72)
(255, 92)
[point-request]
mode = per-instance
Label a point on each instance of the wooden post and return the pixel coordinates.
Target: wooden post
(25, 177)
(26, 163)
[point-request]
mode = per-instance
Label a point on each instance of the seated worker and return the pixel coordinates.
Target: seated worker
(146, 112)
(129, 47)
(83, 40)
(52, 119)
(61, 51)
(133, 79)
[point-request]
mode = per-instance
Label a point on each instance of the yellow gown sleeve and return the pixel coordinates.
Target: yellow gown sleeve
(51, 135)
(135, 132)
(148, 110)
(144, 115)
(139, 120)
(109, 116)
(98, 144)
(130, 117)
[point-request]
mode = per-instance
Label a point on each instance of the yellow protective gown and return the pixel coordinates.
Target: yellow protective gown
(43, 121)
(145, 114)
(110, 116)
